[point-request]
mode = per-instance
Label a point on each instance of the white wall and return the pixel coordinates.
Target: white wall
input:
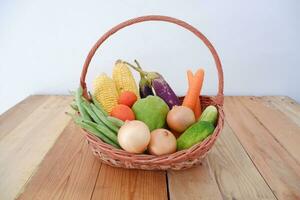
(43, 44)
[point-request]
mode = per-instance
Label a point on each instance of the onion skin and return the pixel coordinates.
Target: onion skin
(180, 118)
(134, 136)
(162, 142)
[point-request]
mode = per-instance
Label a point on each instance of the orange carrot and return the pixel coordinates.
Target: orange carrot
(193, 92)
(198, 105)
(190, 76)
(197, 108)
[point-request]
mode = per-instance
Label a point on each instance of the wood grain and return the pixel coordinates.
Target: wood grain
(228, 173)
(251, 160)
(24, 147)
(117, 183)
(279, 169)
(193, 184)
(286, 105)
(236, 175)
(69, 170)
(18, 113)
(279, 125)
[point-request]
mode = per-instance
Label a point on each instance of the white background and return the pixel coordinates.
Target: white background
(43, 44)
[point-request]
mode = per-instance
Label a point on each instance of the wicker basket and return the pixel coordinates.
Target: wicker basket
(178, 160)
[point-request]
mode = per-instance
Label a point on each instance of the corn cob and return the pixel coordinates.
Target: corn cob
(124, 79)
(105, 92)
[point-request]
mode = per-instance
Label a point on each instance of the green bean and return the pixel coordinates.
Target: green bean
(103, 129)
(89, 110)
(115, 121)
(74, 106)
(99, 106)
(82, 111)
(73, 93)
(90, 127)
(98, 134)
(104, 119)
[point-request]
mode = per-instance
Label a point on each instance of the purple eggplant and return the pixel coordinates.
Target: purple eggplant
(163, 89)
(145, 87)
(160, 86)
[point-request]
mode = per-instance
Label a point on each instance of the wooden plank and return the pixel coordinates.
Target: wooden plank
(279, 125)
(18, 113)
(228, 173)
(69, 170)
(286, 105)
(279, 169)
(234, 171)
(22, 150)
(195, 183)
(117, 183)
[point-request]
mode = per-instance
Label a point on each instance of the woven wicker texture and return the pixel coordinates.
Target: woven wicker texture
(178, 160)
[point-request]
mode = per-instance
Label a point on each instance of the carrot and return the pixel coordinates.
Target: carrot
(197, 108)
(191, 99)
(190, 76)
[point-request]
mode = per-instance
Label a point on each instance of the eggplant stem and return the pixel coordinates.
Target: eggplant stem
(138, 64)
(136, 68)
(139, 69)
(141, 74)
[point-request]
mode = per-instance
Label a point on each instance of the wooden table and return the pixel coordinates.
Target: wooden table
(44, 156)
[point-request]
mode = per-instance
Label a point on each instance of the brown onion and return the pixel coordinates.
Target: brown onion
(134, 136)
(162, 142)
(180, 118)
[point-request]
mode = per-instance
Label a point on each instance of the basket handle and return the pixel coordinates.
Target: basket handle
(220, 97)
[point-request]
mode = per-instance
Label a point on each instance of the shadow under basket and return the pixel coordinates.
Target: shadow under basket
(179, 160)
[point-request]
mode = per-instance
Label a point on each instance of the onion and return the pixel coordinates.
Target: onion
(134, 136)
(162, 142)
(180, 118)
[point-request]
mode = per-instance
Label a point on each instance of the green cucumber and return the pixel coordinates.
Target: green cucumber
(210, 114)
(195, 134)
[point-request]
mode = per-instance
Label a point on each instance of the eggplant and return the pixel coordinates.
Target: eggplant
(145, 87)
(164, 91)
(159, 84)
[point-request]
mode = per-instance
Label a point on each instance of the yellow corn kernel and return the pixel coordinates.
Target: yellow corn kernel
(105, 92)
(124, 79)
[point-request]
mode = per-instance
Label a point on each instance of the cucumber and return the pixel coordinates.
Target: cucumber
(210, 114)
(195, 134)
